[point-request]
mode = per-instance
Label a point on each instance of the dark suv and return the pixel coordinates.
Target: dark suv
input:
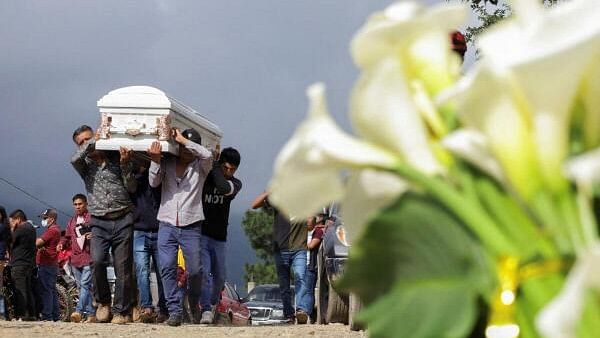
(333, 305)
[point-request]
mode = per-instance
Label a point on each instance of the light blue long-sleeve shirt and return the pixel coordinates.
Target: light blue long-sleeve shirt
(181, 198)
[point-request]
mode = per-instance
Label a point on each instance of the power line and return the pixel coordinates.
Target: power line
(33, 197)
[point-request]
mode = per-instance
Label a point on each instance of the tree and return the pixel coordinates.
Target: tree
(258, 226)
(490, 12)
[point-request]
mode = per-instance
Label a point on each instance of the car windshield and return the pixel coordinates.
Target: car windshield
(265, 294)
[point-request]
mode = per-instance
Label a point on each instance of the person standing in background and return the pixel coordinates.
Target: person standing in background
(77, 238)
(22, 265)
(47, 262)
(5, 239)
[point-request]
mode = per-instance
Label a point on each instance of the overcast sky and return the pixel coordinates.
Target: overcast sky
(243, 64)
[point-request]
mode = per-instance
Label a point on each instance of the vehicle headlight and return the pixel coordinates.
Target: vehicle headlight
(277, 314)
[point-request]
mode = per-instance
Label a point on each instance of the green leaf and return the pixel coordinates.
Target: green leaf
(418, 271)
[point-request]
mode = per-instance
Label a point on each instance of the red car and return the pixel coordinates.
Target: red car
(230, 310)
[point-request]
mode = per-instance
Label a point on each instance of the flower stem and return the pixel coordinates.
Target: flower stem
(468, 211)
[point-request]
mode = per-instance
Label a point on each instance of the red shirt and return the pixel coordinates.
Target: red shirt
(80, 257)
(47, 254)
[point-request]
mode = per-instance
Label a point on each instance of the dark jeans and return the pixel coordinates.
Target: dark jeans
(296, 260)
(47, 289)
(145, 245)
(116, 236)
(24, 300)
(170, 239)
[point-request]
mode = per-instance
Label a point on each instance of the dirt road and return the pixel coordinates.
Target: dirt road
(62, 330)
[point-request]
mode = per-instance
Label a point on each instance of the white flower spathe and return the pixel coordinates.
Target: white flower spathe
(368, 191)
(559, 318)
(535, 64)
(307, 172)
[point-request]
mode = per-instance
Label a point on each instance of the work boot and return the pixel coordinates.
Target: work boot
(75, 317)
(91, 319)
(120, 319)
(162, 317)
(103, 313)
(301, 317)
(174, 320)
(147, 316)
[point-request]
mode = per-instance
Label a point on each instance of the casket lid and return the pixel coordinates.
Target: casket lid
(153, 98)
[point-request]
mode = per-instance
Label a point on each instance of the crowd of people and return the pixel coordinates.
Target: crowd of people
(138, 210)
(141, 213)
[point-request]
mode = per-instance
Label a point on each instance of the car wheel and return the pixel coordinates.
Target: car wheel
(337, 307)
(354, 307)
(321, 297)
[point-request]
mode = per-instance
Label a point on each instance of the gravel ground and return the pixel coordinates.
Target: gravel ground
(60, 329)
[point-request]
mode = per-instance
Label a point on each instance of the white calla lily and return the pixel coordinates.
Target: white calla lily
(584, 169)
(416, 35)
(471, 146)
(590, 97)
(368, 191)
(531, 86)
(314, 157)
(559, 318)
(383, 112)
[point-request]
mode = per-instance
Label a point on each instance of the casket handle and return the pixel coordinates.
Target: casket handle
(163, 128)
(105, 125)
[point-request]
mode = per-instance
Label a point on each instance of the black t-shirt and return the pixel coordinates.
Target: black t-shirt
(23, 249)
(216, 203)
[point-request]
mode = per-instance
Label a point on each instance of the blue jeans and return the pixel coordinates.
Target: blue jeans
(309, 296)
(284, 260)
(213, 277)
(145, 247)
(48, 295)
(170, 238)
(83, 276)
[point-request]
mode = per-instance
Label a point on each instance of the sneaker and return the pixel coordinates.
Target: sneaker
(301, 317)
(119, 319)
(207, 317)
(103, 313)
(147, 316)
(174, 320)
(162, 317)
(91, 319)
(75, 317)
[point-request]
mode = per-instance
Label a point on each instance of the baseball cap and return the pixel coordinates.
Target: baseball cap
(49, 213)
(192, 135)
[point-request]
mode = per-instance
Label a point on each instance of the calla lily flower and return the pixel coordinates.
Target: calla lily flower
(530, 73)
(383, 111)
(368, 191)
(417, 37)
(405, 56)
(315, 157)
(559, 318)
(471, 146)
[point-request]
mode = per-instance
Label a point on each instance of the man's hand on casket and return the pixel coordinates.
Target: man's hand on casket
(125, 154)
(154, 152)
(179, 137)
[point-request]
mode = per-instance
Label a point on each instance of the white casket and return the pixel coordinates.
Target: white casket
(134, 117)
